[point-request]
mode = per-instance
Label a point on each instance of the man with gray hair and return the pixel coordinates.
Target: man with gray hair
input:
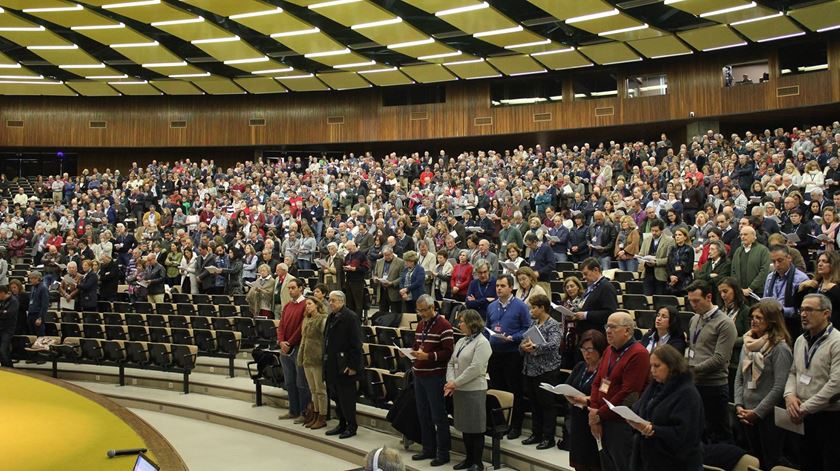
(433, 345)
(812, 386)
(386, 280)
(342, 362)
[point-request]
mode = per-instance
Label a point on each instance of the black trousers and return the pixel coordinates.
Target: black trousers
(651, 285)
(505, 369)
(766, 441)
(386, 306)
(343, 392)
(715, 407)
(617, 440)
(820, 451)
(355, 296)
(543, 405)
(6, 347)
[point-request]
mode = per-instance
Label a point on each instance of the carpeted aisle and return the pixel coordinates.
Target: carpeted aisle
(47, 427)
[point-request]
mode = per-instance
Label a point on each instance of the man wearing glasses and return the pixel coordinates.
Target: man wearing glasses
(433, 345)
(621, 378)
(812, 386)
(482, 290)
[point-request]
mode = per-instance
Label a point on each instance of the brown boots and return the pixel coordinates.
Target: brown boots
(306, 416)
(318, 421)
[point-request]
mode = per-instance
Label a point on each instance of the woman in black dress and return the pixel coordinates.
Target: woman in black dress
(583, 452)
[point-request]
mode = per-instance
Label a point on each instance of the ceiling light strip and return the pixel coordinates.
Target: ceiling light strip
(299, 32)
(376, 71)
(141, 3)
(215, 40)
(333, 3)
(21, 77)
(28, 82)
(253, 14)
(531, 44)
(811, 68)
(102, 77)
(375, 24)
(828, 28)
(517, 74)
(724, 11)
(622, 61)
(784, 36)
(252, 60)
(439, 56)
(725, 47)
(157, 65)
(555, 51)
(21, 28)
(139, 82)
(338, 52)
(592, 16)
(484, 77)
(205, 74)
(464, 9)
(10, 66)
(355, 64)
(82, 66)
(295, 76)
(52, 48)
(198, 19)
(676, 54)
(464, 62)
(124, 45)
(421, 42)
(753, 20)
(77, 7)
(273, 71)
(96, 27)
(624, 30)
(497, 32)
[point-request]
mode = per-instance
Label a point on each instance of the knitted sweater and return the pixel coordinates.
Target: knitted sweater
(433, 336)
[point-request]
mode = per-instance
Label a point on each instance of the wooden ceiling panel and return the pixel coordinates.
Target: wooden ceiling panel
(344, 80)
(303, 84)
(770, 28)
(33, 88)
(218, 86)
(135, 88)
(473, 70)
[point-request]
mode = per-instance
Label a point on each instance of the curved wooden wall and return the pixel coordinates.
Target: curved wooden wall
(694, 85)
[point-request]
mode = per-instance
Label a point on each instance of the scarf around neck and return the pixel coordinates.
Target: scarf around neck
(754, 351)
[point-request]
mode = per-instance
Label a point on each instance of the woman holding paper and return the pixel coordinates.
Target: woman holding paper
(760, 380)
(583, 451)
(670, 436)
(541, 364)
(466, 382)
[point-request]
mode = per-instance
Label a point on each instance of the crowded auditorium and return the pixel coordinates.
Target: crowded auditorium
(419, 234)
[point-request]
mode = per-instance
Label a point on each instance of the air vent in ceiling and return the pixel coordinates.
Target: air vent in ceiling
(542, 117)
(335, 119)
(792, 90)
(98, 124)
(605, 111)
(419, 115)
(256, 122)
(14, 123)
(177, 124)
(483, 121)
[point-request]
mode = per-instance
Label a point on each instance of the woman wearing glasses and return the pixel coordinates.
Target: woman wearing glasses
(466, 382)
(760, 380)
(583, 452)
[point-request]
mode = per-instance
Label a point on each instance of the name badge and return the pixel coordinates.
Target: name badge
(534, 263)
(687, 200)
(689, 353)
(621, 246)
(805, 379)
(678, 268)
(594, 238)
(497, 329)
(751, 384)
(605, 386)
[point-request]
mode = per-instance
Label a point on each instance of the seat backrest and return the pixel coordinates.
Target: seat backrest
(160, 354)
(91, 349)
(137, 352)
(499, 404)
(113, 350)
(745, 463)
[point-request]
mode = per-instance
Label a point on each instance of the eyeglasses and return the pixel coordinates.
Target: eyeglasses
(586, 349)
(809, 310)
(663, 316)
(615, 326)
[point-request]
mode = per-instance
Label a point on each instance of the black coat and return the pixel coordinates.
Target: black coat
(676, 411)
(342, 344)
(583, 450)
(9, 315)
(598, 306)
(205, 278)
(109, 279)
(88, 287)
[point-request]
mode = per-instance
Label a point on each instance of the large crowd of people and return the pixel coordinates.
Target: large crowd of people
(743, 228)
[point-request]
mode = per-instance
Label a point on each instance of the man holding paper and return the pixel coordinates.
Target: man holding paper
(812, 386)
(620, 379)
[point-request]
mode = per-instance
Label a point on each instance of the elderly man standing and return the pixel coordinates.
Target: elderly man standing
(281, 288)
(751, 263)
(343, 362)
(484, 253)
(155, 276)
(386, 275)
(620, 379)
(813, 387)
(711, 337)
(433, 345)
(482, 290)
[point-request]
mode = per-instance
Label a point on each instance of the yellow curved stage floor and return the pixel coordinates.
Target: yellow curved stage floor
(51, 425)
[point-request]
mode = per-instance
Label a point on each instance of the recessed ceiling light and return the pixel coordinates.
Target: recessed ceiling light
(77, 7)
(296, 76)
(82, 66)
(198, 19)
(53, 48)
(421, 42)
(215, 40)
(102, 77)
(784, 36)
(247, 61)
(753, 20)
(374, 24)
(337, 52)
(484, 77)
(555, 51)
(299, 32)
(355, 64)
(529, 73)
(725, 47)
(21, 77)
(673, 55)
(828, 28)
(151, 44)
(455, 11)
(332, 3)
(156, 65)
(21, 28)
(205, 74)
(29, 82)
(94, 27)
(141, 3)
(723, 11)
(592, 16)
(253, 14)
(139, 82)
(10, 66)
(497, 32)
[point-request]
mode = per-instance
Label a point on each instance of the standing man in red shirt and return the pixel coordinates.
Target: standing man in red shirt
(288, 339)
(620, 379)
(433, 346)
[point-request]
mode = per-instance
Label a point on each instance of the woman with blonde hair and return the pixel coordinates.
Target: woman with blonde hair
(813, 178)
(310, 358)
(528, 287)
(627, 245)
(760, 380)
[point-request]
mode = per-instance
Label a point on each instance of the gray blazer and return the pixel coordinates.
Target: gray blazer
(468, 364)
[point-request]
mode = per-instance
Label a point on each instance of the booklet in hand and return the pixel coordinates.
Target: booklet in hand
(562, 389)
(626, 413)
(535, 335)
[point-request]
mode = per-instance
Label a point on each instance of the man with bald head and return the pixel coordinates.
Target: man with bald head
(750, 263)
(620, 379)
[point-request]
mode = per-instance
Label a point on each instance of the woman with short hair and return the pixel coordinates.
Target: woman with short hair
(760, 379)
(583, 451)
(670, 437)
(466, 382)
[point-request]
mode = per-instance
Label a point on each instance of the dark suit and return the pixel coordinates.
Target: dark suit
(601, 301)
(343, 349)
(109, 279)
(155, 275)
(87, 291)
(205, 278)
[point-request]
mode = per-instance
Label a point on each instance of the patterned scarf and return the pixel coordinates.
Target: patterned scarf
(754, 351)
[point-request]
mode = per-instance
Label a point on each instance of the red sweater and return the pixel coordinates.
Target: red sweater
(435, 338)
(291, 322)
(627, 379)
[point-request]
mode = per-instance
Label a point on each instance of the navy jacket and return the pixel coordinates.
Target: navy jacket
(415, 285)
(39, 301)
(542, 261)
